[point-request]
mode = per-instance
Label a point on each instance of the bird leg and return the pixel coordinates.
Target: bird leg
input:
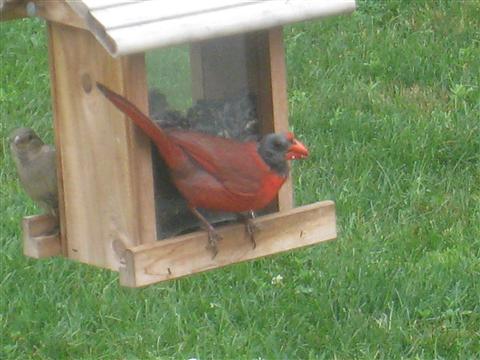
(250, 226)
(213, 235)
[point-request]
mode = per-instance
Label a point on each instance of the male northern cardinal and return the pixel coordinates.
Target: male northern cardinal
(216, 173)
(36, 167)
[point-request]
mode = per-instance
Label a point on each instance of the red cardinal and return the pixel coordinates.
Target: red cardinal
(217, 173)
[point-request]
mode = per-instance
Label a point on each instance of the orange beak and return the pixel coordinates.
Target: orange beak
(296, 151)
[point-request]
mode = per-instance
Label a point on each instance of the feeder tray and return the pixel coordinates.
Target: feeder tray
(106, 171)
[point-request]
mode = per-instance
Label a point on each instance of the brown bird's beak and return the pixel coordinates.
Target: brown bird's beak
(296, 151)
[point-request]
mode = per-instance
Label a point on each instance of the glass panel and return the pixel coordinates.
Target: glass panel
(169, 83)
(208, 87)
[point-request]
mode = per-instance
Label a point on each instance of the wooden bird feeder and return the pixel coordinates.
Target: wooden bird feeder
(107, 186)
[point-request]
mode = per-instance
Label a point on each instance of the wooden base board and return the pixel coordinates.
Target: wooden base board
(185, 255)
(40, 236)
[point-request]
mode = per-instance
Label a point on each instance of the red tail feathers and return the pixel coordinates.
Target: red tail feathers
(170, 152)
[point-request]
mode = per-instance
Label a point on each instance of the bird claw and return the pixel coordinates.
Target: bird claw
(251, 228)
(213, 239)
(213, 236)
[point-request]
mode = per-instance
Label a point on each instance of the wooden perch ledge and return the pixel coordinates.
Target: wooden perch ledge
(40, 236)
(185, 255)
(172, 258)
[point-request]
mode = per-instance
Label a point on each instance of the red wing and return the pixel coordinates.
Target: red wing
(237, 165)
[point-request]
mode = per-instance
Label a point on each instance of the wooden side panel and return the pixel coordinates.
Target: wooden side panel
(172, 258)
(272, 93)
(255, 63)
(271, 79)
(105, 172)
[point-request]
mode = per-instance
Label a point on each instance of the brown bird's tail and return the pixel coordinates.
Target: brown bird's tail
(170, 152)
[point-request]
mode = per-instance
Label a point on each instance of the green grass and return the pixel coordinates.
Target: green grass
(169, 71)
(388, 100)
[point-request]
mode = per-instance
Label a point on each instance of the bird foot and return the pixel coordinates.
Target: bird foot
(213, 236)
(251, 228)
(213, 239)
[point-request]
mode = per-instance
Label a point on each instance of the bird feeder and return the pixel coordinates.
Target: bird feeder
(106, 167)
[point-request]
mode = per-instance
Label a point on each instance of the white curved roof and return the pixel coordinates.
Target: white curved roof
(126, 26)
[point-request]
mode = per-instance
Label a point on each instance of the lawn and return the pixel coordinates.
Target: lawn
(388, 100)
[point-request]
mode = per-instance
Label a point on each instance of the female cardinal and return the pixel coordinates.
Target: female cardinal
(36, 167)
(216, 173)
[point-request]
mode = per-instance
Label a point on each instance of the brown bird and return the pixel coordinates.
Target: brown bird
(216, 173)
(36, 168)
